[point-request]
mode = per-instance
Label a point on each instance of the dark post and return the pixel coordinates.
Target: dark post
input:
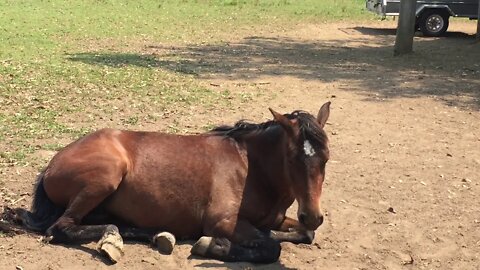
(406, 27)
(478, 22)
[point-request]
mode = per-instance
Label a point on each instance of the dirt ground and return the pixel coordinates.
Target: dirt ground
(403, 181)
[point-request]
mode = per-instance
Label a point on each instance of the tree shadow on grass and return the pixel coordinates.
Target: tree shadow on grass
(446, 67)
(376, 31)
(120, 60)
(373, 31)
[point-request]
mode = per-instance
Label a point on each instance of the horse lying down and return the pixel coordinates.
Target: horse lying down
(229, 188)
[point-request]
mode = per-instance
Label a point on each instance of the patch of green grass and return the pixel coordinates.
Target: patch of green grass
(208, 127)
(18, 156)
(66, 64)
(35, 29)
(52, 146)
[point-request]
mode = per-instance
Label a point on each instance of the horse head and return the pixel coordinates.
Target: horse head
(307, 154)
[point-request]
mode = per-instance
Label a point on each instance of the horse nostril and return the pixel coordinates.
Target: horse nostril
(302, 218)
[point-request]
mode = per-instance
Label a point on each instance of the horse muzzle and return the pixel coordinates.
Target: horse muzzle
(312, 221)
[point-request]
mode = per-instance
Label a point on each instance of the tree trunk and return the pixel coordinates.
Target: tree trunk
(478, 22)
(406, 27)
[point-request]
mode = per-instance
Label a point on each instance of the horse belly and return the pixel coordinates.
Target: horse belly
(178, 212)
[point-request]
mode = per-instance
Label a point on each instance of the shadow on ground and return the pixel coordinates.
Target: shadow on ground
(392, 32)
(447, 67)
(241, 265)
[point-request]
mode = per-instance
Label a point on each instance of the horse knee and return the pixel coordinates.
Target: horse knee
(265, 250)
(257, 251)
(271, 252)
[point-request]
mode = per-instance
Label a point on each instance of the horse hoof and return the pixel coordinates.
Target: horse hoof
(310, 236)
(165, 242)
(201, 246)
(46, 239)
(111, 245)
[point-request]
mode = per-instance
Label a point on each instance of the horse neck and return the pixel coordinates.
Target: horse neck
(268, 151)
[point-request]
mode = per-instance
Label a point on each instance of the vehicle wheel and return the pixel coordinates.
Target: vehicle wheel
(434, 22)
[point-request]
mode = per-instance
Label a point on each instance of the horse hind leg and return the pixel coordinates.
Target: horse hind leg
(68, 228)
(163, 241)
(110, 243)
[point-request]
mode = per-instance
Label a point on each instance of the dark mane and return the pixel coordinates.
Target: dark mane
(308, 124)
(242, 128)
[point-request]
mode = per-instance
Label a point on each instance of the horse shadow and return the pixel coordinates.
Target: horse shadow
(204, 262)
(237, 265)
(93, 252)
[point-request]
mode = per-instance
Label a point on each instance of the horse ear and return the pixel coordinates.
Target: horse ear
(323, 114)
(288, 125)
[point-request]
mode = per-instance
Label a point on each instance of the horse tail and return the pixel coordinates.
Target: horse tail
(43, 211)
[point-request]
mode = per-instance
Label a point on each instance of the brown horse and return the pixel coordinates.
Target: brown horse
(229, 187)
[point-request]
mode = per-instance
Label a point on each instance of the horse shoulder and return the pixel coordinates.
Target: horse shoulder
(238, 151)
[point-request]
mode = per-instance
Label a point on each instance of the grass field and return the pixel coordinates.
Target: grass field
(402, 182)
(56, 76)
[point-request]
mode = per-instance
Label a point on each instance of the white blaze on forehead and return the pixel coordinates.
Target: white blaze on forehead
(308, 148)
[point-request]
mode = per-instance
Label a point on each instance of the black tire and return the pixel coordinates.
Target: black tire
(433, 22)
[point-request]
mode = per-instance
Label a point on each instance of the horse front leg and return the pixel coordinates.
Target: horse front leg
(293, 231)
(238, 241)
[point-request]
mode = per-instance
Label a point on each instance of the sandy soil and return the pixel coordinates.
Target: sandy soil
(404, 132)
